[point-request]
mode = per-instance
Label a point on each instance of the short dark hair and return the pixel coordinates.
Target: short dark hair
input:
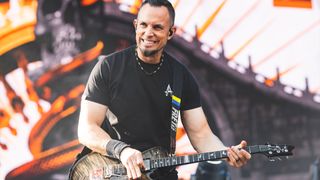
(159, 3)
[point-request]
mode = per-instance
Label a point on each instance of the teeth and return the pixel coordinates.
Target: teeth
(149, 42)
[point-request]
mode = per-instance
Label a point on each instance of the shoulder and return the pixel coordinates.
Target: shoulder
(178, 66)
(118, 55)
(176, 63)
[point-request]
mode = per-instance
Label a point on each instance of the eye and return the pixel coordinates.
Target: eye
(143, 25)
(158, 27)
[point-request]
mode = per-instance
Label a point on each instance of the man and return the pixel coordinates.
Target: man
(134, 88)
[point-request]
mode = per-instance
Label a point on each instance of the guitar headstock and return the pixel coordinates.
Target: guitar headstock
(272, 150)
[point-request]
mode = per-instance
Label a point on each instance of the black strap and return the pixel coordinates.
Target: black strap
(175, 101)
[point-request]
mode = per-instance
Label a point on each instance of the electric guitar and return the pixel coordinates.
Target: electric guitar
(95, 166)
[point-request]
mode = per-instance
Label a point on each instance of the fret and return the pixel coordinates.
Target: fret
(219, 154)
(199, 157)
(214, 155)
(262, 149)
(224, 154)
(155, 163)
(161, 163)
(253, 149)
(167, 162)
(177, 160)
(180, 160)
(186, 159)
(174, 161)
(209, 154)
(205, 156)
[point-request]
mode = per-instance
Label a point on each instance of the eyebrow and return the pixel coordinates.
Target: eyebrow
(157, 25)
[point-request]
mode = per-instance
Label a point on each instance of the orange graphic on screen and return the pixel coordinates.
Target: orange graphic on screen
(293, 3)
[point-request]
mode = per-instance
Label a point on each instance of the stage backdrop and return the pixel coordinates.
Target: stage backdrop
(48, 48)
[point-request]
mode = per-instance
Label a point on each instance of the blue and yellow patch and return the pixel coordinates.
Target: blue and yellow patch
(176, 101)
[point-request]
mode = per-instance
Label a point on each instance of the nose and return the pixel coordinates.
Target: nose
(149, 31)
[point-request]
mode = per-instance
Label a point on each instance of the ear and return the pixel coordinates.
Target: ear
(135, 21)
(172, 30)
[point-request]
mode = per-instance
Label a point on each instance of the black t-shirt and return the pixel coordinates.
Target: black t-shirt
(141, 102)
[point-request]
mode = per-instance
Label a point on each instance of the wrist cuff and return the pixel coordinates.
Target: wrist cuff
(114, 148)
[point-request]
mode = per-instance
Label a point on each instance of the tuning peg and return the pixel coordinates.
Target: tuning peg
(287, 157)
(271, 159)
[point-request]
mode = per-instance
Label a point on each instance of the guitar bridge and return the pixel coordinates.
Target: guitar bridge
(114, 171)
(107, 172)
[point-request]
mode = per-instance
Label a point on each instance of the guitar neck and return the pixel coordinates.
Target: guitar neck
(209, 156)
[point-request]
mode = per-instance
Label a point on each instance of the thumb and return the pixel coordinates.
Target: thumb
(242, 144)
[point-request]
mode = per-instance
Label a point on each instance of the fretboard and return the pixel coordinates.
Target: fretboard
(209, 156)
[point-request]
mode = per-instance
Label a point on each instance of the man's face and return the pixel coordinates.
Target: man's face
(152, 30)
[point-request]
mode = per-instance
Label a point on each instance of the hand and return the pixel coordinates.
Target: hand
(237, 156)
(133, 161)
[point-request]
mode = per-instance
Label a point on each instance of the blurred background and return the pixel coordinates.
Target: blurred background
(257, 63)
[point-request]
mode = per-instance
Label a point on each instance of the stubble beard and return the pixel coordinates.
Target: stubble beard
(149, 53)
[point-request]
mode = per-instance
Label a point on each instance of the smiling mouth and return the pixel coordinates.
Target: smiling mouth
(148, 42)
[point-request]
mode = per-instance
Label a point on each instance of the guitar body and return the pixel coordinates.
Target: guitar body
(95, 166)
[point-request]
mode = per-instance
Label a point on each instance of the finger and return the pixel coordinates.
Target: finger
(140, 162)
(128, 171)
(243, 144)
(137, 171)
(240, 155)
(245, 155)
(236, 152)
(232, 155)
(132, 169)
(239, 163)
(136, 168)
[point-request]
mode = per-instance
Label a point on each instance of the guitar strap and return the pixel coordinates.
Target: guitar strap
(175, 109)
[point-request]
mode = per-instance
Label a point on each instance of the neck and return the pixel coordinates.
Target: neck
(152, 59)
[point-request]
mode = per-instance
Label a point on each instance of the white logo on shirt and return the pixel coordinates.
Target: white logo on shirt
(168, 91)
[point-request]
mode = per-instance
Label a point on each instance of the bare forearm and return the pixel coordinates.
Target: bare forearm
(94, 138)
(206, 142)
(199, 132)
(90, 133)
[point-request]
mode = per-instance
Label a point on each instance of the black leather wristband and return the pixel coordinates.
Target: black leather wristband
(115, 147)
